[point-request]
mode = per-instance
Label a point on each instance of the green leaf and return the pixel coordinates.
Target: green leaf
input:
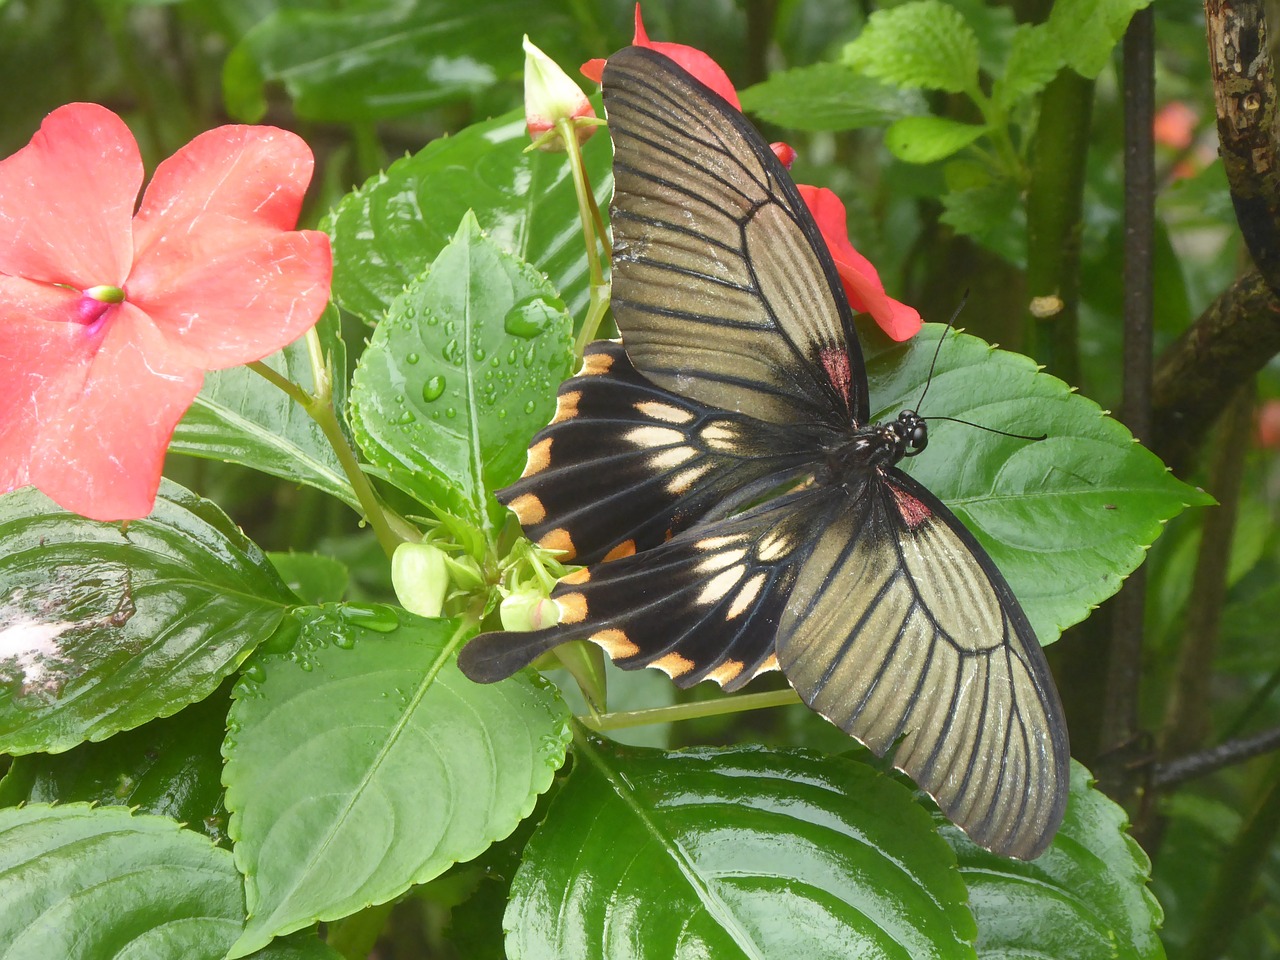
(1065, 519)
(461, 373)
(314, 577)
(103, 629)
(386, 233)
(927, 139)
(923, 44)
(729, 853)
(362, 762)
(827, 96)
(1086, 896)
(992, 212)
(1086, 31)
(241, 418)
(87, 883)
(370, 62)
(170, 767)
(1034, 59)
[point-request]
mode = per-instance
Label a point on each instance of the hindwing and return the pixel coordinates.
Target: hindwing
(901, 631)
(704, 605)
(625, 464)
(723, 289)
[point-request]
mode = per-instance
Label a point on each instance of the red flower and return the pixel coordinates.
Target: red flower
(695, 61)
(108, 320)
(861, 282)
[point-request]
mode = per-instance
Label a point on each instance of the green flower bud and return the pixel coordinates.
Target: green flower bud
(420, 576)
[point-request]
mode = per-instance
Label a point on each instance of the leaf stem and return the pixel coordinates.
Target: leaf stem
(390, 528)
(690, 711)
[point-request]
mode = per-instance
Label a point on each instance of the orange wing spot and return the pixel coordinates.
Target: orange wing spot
(669, 534)
(727, 672)
(615, 643)
(573, 608)
(673, 665)
(770, 664)
(625, 549)
(578, 576)
(596, 364)
(567, 406)
(559, 539)
(528, 509)
(538, 458)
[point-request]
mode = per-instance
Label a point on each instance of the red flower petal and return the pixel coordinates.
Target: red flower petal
(861, 281)
(101, 452)
(257, 175)
(695, 61)
(43, 355)
(232, 293)
(66, 199)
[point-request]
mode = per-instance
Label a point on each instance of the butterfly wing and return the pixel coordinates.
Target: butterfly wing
(723, 288)
(900, 630)
(703, 605)
(625, 464)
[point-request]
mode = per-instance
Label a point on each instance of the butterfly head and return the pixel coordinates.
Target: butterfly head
(910, 433)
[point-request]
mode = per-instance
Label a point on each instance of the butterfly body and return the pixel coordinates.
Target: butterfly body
(737, 512)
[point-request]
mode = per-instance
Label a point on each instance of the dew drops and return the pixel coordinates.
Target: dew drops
(371, 616)
(532, 315)
(411, 359)
(450, 413)
(453, 352)
(530, 406)
(433, 388)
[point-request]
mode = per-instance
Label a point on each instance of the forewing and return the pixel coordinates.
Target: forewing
(723, 288)
(703, 605)
(625, 464)
(900, 630)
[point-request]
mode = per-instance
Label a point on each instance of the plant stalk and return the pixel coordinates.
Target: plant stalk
(690, 711)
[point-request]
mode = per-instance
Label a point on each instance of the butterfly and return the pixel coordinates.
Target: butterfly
(735, 510)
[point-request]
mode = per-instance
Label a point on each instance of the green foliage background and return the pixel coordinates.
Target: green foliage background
(330, 763)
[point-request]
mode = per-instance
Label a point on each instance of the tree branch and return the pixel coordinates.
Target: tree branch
(1170, 773)
(1239, 332)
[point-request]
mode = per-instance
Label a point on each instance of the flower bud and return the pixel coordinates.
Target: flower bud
(528, 610)
(551, 95)
(420, 577)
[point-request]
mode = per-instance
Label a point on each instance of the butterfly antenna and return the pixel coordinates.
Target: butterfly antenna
(964, 298)
(1003, 433)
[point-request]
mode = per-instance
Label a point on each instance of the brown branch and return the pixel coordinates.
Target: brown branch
(1197, 376)
(1240, 331)
(1245, 99)
(1170, 773)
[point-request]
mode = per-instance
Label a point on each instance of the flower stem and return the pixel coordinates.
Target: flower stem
(390, 528)
(593, 232)
(690, 711)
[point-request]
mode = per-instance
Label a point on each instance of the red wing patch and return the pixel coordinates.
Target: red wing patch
(912, 511)
(836, 362)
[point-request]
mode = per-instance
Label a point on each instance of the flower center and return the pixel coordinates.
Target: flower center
(94, 304)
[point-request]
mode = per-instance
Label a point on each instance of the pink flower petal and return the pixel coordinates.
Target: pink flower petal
(44, 356)
(101, 452)
(232, 293)
(859, 277)
(256, 175)
(66, 199)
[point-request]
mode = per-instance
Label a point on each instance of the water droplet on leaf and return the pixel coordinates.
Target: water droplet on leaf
(532, 315)
(432, 389)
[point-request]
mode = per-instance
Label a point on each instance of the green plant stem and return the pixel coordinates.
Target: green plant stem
(1055, 205)
(390, 529)
(593, 234)
(1228, 901)
(690, 711)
